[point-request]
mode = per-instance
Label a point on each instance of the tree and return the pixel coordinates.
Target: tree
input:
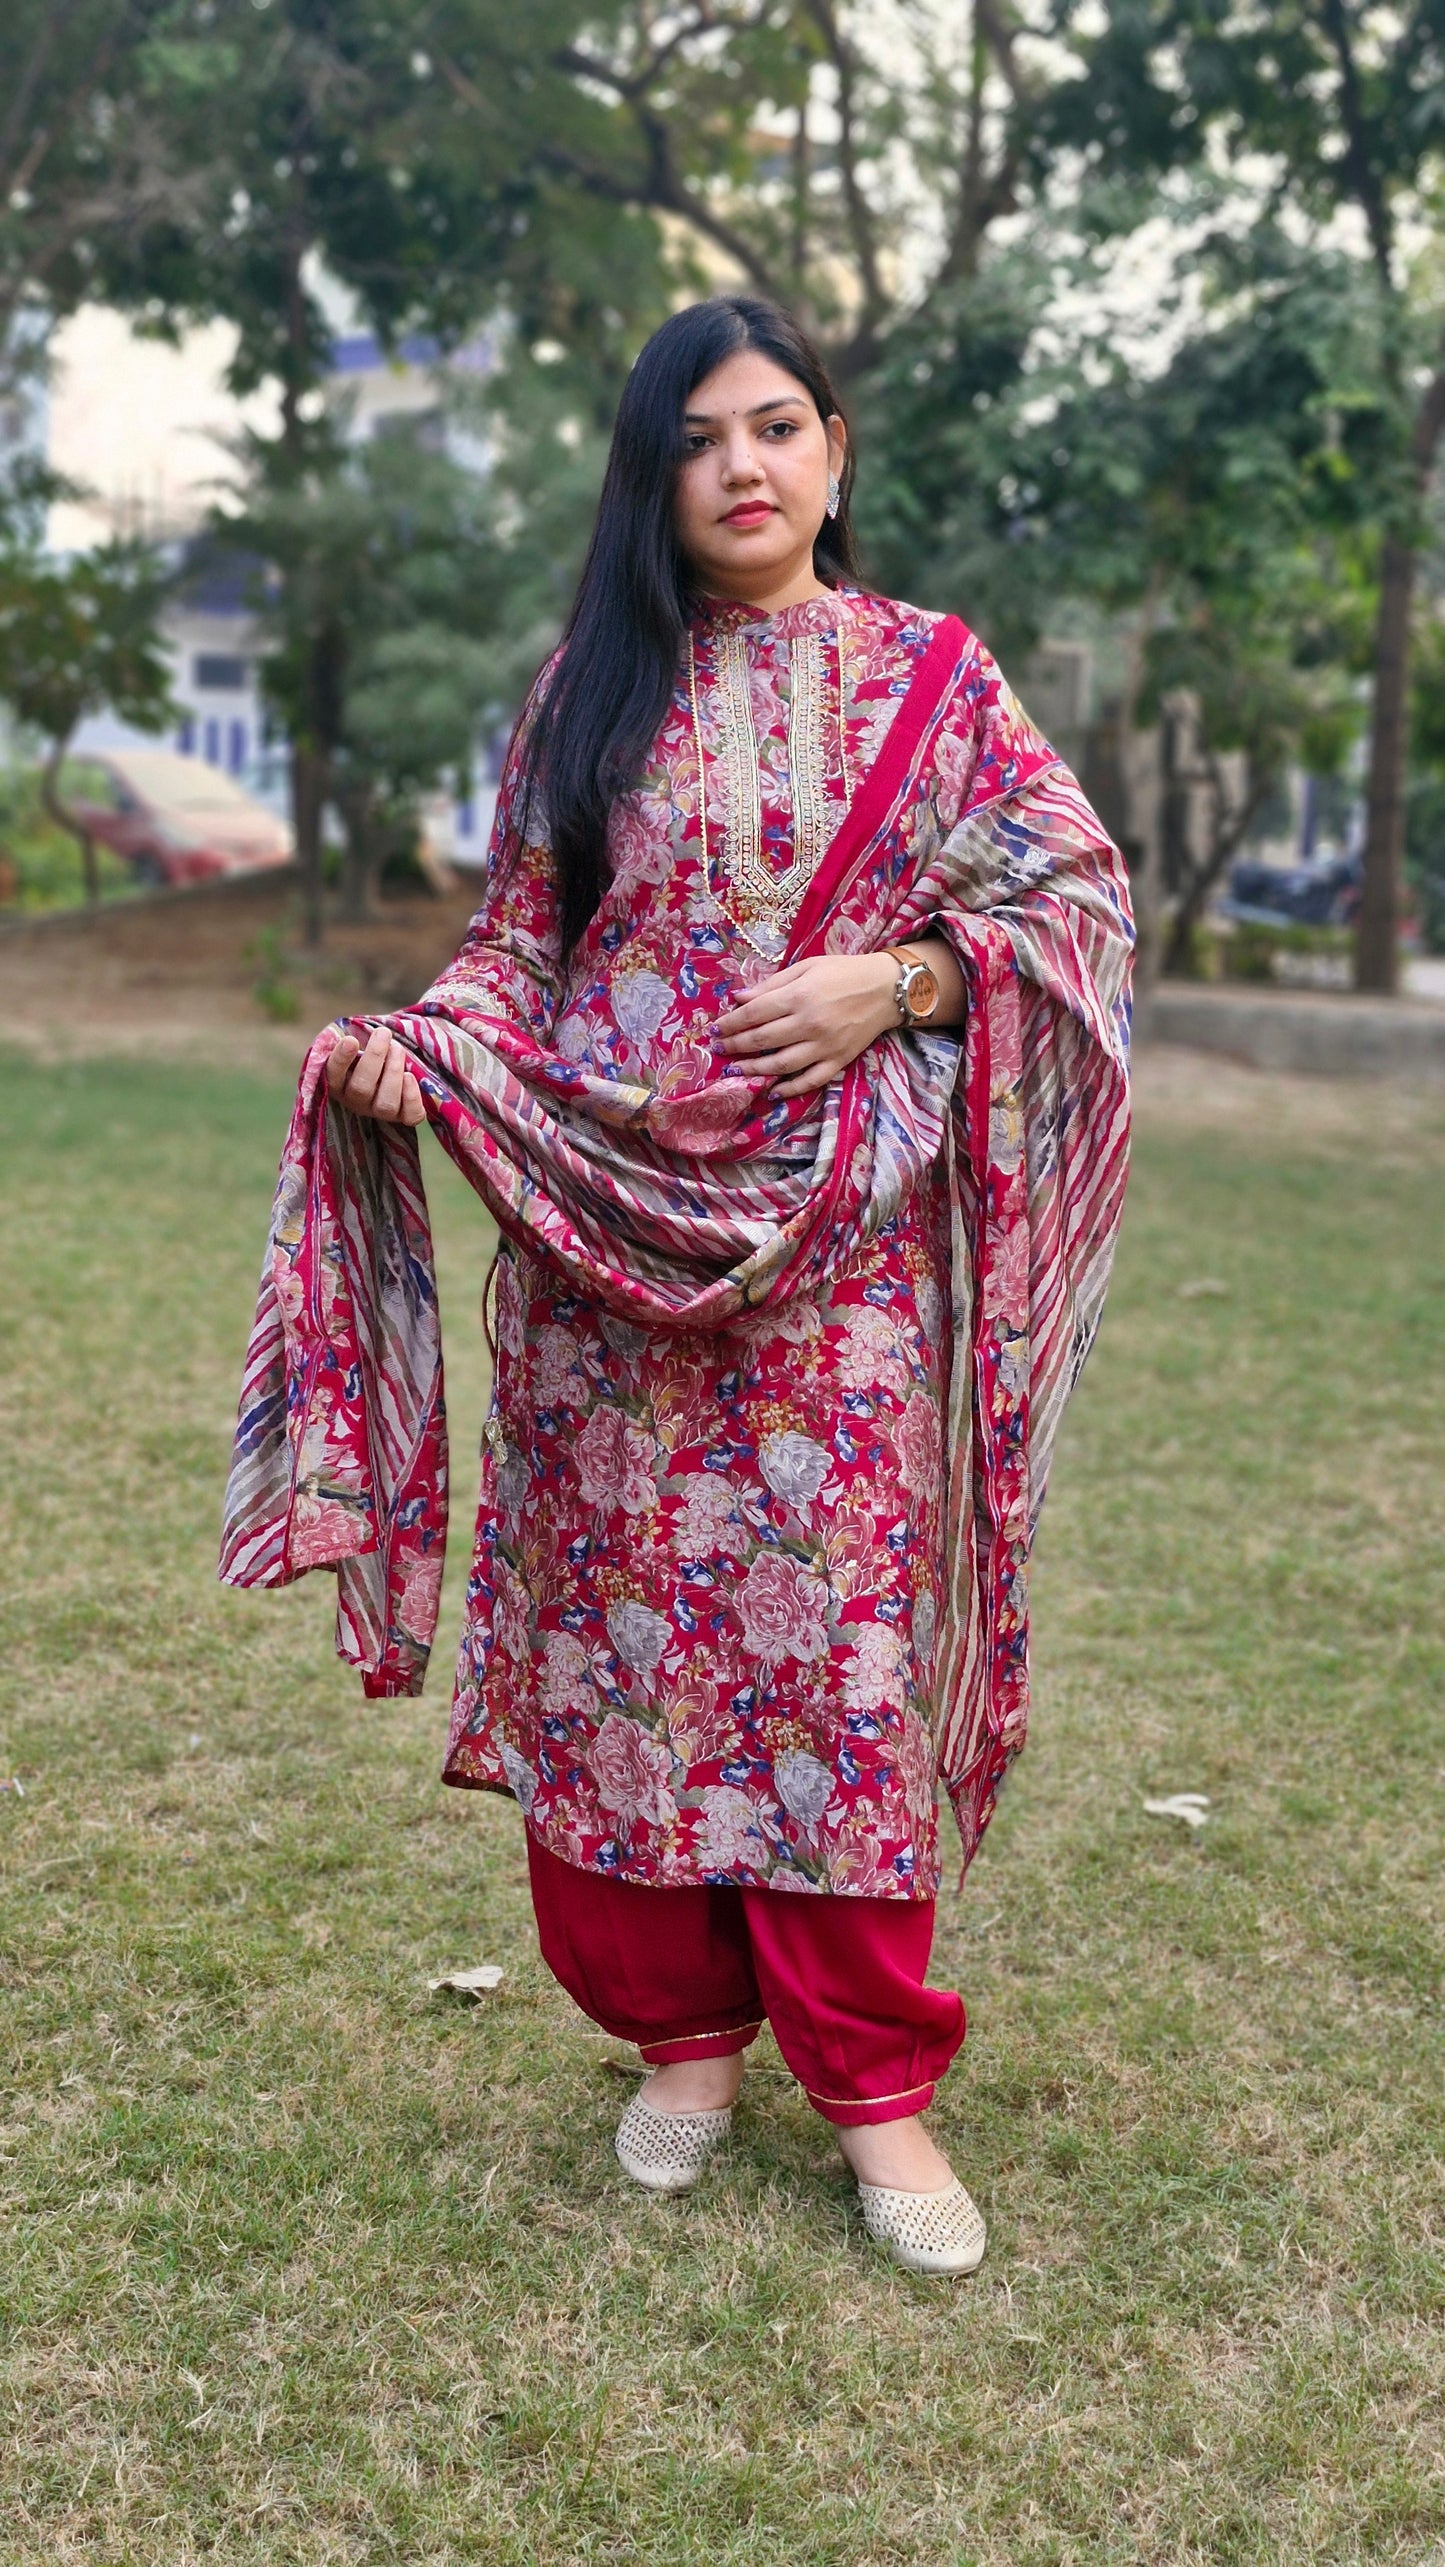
(75, 639)
(794, 146)
(1210, 507)
(393, 591)
(1340, 104)
(322, 152)
(84, 162)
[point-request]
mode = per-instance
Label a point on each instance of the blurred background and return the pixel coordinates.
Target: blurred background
(312, 322)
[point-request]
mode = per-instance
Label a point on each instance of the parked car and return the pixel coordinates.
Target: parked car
(1323, 893)
(175, 819)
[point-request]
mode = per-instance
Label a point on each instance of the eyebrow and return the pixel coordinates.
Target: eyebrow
(784, 401)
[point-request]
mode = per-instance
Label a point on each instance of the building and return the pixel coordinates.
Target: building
(211, 630)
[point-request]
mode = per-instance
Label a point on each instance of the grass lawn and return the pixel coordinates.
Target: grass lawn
(305, 2265)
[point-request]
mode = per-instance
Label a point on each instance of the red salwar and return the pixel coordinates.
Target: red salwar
(693, 1973)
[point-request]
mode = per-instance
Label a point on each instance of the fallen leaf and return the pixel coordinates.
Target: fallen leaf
(1192, 1807)
(469, 1983)
(1204, 1288)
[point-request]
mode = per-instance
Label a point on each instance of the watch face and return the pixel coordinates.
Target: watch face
(922, 991)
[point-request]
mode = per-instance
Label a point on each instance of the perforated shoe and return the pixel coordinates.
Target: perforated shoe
(667, 2151)
(926, 2232)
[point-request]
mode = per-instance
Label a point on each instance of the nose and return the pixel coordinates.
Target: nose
(741, 461)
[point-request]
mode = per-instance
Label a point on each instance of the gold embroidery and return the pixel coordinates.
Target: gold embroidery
(763, 901)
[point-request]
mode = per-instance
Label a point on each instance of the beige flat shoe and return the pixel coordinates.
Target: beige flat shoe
(667, 2151)
(926, 2232)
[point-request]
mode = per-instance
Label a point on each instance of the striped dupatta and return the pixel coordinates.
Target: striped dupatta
(683, 1217)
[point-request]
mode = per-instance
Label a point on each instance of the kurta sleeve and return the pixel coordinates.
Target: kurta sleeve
(509, 966)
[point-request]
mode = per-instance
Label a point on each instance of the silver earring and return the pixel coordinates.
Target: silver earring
(835, 494)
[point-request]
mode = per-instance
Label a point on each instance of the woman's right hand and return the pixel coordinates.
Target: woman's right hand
(376, 1081)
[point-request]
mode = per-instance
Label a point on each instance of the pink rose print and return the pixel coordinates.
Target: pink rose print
(565, 1680)
(709, 1520)
(1007, 1283)
(633, 1771)
(782, 1607)
(916, 1442)
(871, 1349)
(614, 1462)
(918, 1765)
(873, 1679)
(420, 1596)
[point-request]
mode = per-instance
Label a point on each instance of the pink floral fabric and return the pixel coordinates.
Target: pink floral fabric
(778, 1380)
(700, 1620)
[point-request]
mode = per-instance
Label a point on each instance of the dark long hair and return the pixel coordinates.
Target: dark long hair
(602, 710)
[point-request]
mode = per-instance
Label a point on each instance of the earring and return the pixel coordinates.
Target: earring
(835, 494)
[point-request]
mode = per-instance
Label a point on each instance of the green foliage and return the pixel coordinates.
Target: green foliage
(75, 638)
(274, 987)
(40, 863)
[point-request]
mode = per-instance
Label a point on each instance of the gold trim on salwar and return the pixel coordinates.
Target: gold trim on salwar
(665, 2040)
(861, 2103)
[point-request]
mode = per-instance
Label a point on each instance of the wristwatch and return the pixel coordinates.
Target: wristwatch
(916, 992)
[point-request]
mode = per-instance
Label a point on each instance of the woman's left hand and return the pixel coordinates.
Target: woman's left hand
(804, 1025)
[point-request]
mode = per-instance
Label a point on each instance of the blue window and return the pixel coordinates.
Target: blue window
(238, 748)
(186, 736)
(213, 742)
(221, 671)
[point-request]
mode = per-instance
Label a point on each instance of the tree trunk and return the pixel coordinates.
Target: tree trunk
(64, 818)
(361, 860)
(1377, 929)
(308, 801)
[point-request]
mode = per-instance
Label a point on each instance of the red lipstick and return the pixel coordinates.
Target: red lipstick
(748, 512)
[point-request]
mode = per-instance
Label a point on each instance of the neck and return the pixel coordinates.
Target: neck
(769, 594)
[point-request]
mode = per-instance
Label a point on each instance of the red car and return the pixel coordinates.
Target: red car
(175, 819)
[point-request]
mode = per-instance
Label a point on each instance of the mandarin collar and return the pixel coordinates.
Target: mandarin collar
(811, 615)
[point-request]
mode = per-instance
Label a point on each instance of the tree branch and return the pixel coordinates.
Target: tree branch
(861, 227)
(659, 187)
(1360, 168)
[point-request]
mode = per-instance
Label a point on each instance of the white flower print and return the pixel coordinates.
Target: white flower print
(638, 1635)
(514, 1478)
(928, 1301)
(794, 1467)
(640, 1002)
(925, 1629)
(519, 1774)
(805, 1786)
(732, 1839)
(622, 1337)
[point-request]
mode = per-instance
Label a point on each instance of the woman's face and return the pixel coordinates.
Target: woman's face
(753, 489)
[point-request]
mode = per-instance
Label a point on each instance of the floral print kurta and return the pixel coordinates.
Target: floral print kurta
(701, 1613)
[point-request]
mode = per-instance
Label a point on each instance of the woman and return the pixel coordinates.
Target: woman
(788, 1049)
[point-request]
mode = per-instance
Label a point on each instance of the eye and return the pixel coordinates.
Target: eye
(779, 429)
(694, 441)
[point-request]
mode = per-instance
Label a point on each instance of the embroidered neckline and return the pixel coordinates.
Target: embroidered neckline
(762, 902)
